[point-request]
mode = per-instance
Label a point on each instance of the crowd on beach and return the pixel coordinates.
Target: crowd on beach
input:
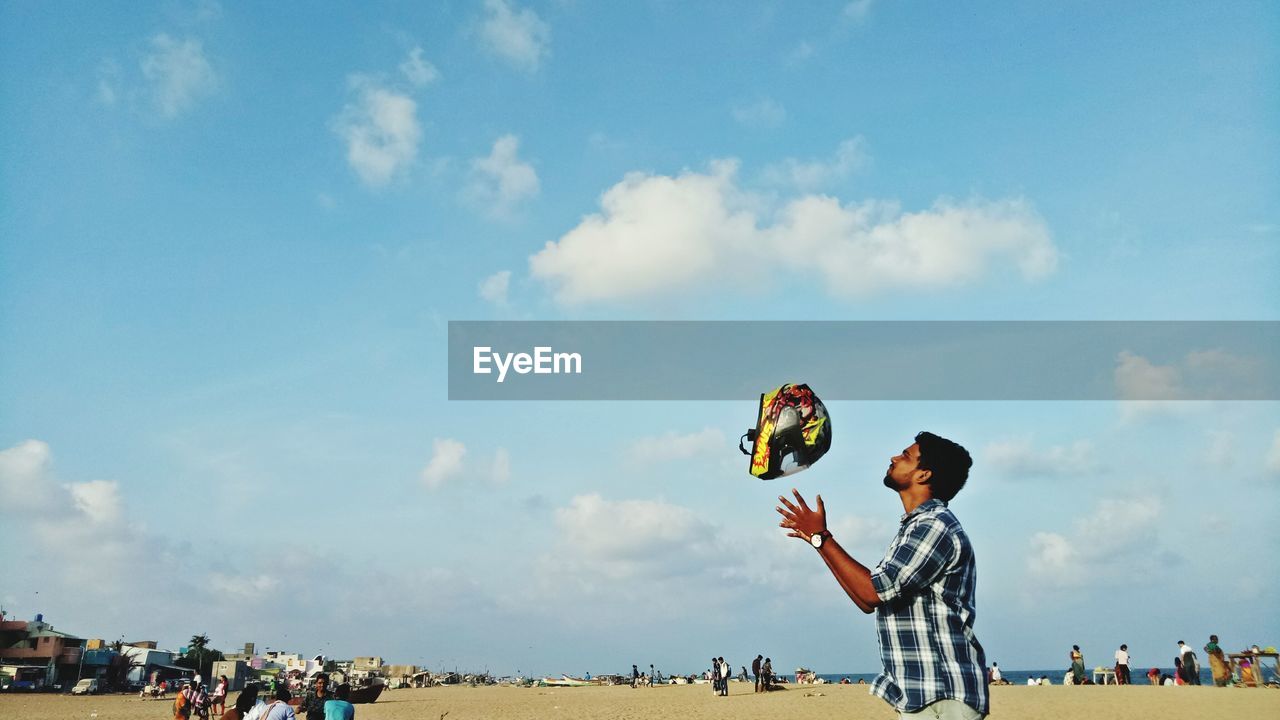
(320, 702)
(1186, 668)
(718, 676)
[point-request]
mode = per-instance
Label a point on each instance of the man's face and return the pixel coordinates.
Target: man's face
(321, 684)
(902, 468)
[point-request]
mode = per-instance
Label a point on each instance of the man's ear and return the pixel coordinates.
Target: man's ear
(923, 476)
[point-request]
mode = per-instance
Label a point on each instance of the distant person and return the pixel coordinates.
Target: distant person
(1153, 676)
(1218, 663)
(339, 708)
(1077, 666)
(1122, 665)
(996, 676)
(1179, 674)
(218, 698)
(766, 671)
(1190, 665)
(192, 701)
(755, 670)
(715, 676)
(744, 677)
(635, 676)
(1044, 680)
(726, 674)
(313, 702)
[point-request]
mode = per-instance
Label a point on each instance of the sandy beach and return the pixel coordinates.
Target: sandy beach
(817, 702)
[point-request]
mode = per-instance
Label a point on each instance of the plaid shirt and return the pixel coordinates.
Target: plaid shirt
(925, 617)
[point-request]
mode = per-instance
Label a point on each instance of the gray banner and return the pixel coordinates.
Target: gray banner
(923, 360)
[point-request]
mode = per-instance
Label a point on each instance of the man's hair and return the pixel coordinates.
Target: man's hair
(343, 691)
(247, 698)
(1124, 647)
(947, 462)
(282, 693)
(321, 676)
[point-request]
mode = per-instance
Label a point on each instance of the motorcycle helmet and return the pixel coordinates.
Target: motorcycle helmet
(792, 432)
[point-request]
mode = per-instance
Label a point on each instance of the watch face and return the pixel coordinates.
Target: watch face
(816, 540)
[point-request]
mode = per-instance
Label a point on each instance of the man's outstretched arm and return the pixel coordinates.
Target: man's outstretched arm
(803, 522)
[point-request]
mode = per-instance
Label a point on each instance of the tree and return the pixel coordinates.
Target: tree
(200, 657)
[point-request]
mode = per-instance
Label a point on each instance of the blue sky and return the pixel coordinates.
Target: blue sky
(232, 238)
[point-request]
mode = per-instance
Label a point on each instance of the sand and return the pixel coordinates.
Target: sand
(696, 702)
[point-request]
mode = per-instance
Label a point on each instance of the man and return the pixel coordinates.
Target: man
(726, 673)
(635, 676)
(1190, 665)
(313, 703)
(755, 670)
(922, 592)
(1122, 665)
(339, 708)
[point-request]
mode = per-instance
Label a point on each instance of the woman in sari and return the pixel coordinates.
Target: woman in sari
(1218, 663)
(1077, 666)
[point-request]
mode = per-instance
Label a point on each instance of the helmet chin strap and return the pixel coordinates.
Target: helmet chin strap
(747, 437)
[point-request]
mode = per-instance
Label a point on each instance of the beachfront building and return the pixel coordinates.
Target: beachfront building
(149, 664)
(367, 663)
(238, 673)
(35, 655)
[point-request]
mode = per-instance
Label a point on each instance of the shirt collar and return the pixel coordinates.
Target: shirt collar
(926, 506)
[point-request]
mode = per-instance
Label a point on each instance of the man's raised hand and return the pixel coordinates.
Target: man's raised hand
(802, 521)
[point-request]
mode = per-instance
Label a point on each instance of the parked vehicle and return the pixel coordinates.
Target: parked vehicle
(87, 686)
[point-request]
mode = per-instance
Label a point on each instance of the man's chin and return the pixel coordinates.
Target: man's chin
(888, 482)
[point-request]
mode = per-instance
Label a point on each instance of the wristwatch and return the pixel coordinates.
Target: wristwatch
(817, 539)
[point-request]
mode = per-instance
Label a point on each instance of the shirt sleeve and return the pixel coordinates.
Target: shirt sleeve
(916, 562)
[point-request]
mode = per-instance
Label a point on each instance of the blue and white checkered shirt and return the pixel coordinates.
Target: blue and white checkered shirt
(925, 618)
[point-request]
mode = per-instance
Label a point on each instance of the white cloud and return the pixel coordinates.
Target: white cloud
(1104, 547)
(764, 113)
(98, 500)
(1054, 556)
(1017, 458)
(867, 535)
(1273, 455)
(244, 588)
(626, 539)
(446, 462)
(179, 74)
(675, 446)
(501, 181)
(858, 10)
(26, 477)
(518, 36)
(380, 127)
(806, 175)
(658, 235)
(417, 71)
(1137, 378)
(77, 529)
(500, 470)
(494, 288)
